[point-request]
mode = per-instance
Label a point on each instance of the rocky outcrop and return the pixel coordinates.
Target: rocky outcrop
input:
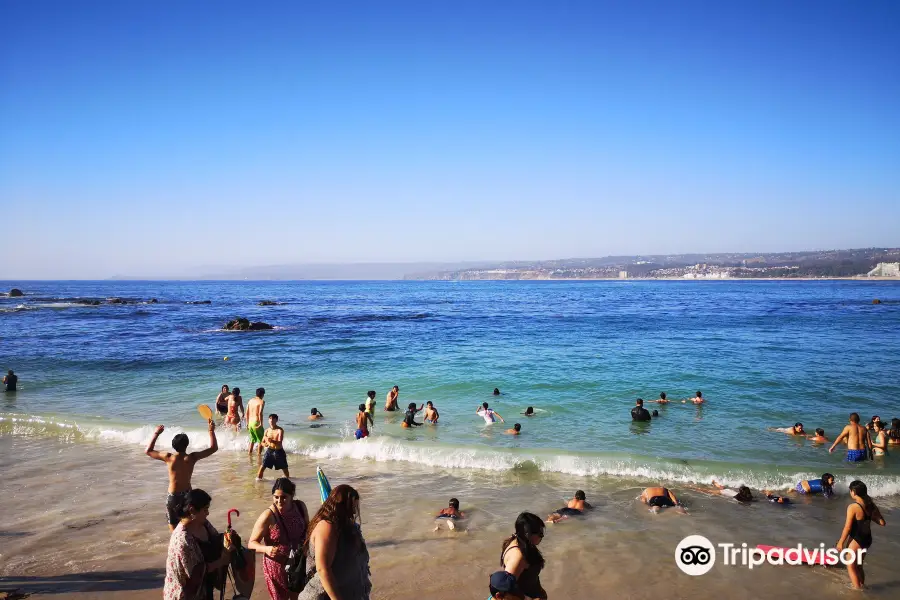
(876, 301)
(88, 302)
(15, 293)
(242, 324)
(268, 303)
(199, 302)
(116, 301)
(152, 301)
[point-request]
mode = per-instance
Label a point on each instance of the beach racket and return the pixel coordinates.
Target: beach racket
(205, 412)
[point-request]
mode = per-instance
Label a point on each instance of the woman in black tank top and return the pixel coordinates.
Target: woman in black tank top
(521, 558)
(857, 533)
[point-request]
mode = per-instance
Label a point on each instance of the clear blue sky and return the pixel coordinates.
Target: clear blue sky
(153, 137)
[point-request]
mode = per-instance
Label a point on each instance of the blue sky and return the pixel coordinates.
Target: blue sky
(155, 137)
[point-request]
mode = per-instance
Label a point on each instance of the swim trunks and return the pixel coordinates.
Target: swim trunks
(256, 432)
(568, 512)
(660, 501)
(174, 504)
(361, 433)
(857, 455)
(275, 459)
(454, 517)
(777, 499)
(222, 409)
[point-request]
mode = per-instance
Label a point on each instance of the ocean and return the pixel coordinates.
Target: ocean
(765, 354)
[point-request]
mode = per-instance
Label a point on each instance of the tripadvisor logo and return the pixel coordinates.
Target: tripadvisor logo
(696, 555)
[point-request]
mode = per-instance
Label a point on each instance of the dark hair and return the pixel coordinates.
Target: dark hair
(236, 391)
(429, 403)
(362, 407)
(484, 405)
(260, 392)
(854, 417)
(396, 387)
(798, 424)
(875, 417)
(699, 394)
(196, 499)
(894, 432)
(180, 442)
(411, 406)
(517, 427)
(879, 425)
(529, 410)
(285, 485)
(826, 487)
(371, 393)
(338, 510)
(273, 416)
(527, 524)
(579, 495)
(640, 402)
(496, 391)
(454, 503)
(655, 413)
(744, 494)
(859, 488)
(820, 431)
(225, 386)
(313, 411)
(662, 395)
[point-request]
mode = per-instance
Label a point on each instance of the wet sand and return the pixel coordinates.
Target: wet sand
(86, 520)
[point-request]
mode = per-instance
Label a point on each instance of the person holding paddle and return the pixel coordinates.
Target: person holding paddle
(180, 465)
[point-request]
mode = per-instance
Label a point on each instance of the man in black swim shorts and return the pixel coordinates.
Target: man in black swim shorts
(574, 508)
(658, 498)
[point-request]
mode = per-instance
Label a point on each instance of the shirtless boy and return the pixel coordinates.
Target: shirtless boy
(662, 399)
(431, 413)
(180, 466)
(858, 443)
(235, 414)
(392, 402)
(658, 498)
(516, 430)
(575, 507)
(362, 422)
(819, 437)
(698, 399)
(254, 420)
(449, 515)
(275, 457)
(314, 415)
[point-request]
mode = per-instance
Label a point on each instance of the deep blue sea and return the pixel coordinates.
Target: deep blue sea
(764, 354)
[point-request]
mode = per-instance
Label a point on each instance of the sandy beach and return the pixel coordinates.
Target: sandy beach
(85, 520)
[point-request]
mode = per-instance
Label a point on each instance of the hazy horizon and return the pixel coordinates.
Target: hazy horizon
(146, 139)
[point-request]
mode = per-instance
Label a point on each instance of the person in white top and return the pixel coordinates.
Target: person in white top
(488, 414)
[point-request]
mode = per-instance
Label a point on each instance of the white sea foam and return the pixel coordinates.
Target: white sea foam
(387, 449)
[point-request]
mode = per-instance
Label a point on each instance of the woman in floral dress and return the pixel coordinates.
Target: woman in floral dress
(278, 530)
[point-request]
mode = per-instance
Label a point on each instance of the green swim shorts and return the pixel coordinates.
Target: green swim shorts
(256, 432)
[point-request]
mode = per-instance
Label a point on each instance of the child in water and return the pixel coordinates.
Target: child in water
(449, 515)
(409, 419)
(819, 437)
(815, 486)
(516, 429)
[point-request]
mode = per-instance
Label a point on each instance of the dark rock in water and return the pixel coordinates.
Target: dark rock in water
(199, 302)
(152, 301)
(268, 303)
(242, 324)
(15, 293)
(87, 302)
(116, 301)
(876, 301)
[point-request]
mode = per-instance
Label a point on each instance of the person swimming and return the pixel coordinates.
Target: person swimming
(880, 443)
(742, 494)
(516, 429)
(451, 514)
(819, 437)
(662, 399)
(811, 487)
(315, 415)
(409, 418)
(575, 508)
(857, 437)
(488, 414)
(797, 429)
(774, 498)
(639, 413)
(529, 412)
(658, 498)
(496, 391)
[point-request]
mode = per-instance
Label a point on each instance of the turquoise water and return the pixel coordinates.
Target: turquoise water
(765, 354)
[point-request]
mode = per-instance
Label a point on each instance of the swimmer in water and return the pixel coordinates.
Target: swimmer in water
(488, 414)
(516, 430)
(529, 412)
(742, 494)
(222, 401)
(235, 415)
(409, 418)
(496, 391)
(363, 419)
(662, 399)
(893, 433)
(776, 499)
(658, 498)
(698, 399)
(431, 413)
(797, 429)
(811, 487)
(858, 442)
(370, 402)
(819, 437)
(392, 403)
(314, 415)
(880, 443)
(449, 515)
(575, 508)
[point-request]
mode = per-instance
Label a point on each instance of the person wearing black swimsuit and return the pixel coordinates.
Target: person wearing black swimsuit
(521, 558)
(857, 533)
(222, 401)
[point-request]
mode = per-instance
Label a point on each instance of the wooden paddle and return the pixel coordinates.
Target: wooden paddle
(205, 412)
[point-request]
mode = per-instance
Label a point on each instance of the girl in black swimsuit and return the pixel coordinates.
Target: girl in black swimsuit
(857, 534)
(222, 401)
(521, 558)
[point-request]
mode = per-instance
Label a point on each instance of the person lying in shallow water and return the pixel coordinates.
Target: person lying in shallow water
(450, 515)
(574, 508)
(812, 487)
(742, 494)
(658, 498)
